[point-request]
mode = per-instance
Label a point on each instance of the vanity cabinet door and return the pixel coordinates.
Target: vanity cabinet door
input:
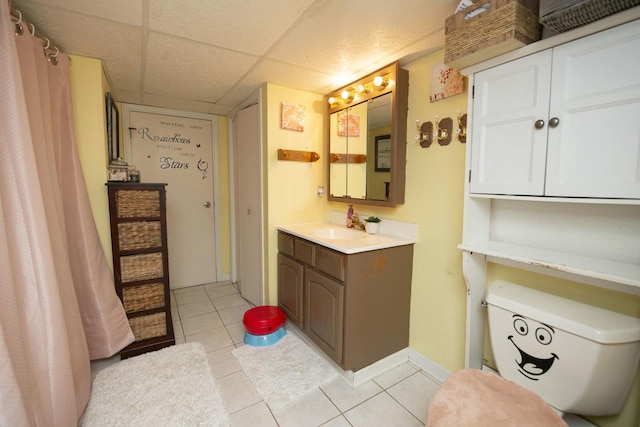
(324, 313)
(508, 151)
(290, 288)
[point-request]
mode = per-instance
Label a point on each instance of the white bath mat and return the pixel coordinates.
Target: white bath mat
(169, 387)
(286, 371)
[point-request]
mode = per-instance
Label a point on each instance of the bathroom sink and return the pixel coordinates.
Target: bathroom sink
(339, 233)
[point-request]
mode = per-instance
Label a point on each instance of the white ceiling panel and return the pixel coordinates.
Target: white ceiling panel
(179, 68)
(210, 55)
(177, 104)
(125, 11)
(249, 26)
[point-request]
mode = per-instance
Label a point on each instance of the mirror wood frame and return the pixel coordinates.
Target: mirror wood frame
(399, 88)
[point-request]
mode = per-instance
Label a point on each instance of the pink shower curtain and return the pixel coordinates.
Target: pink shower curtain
(58, 307)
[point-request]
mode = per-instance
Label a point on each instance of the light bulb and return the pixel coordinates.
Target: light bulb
(346, 95)
(380, 81)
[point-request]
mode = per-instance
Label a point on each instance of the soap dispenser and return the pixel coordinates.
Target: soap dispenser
(350, 217)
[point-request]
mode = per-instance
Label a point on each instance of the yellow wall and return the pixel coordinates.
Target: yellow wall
(291, 186)
(88, 86)
(434, 200)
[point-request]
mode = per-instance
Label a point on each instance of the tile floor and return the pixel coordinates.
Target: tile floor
(212, 315)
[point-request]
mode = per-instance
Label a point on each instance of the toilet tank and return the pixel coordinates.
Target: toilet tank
(579, 358)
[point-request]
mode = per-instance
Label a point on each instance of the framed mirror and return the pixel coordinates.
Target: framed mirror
(113, 125)
(367, 139)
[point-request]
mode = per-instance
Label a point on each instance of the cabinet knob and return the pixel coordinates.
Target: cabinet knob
(207, 204)
(539, 124)
(554, 122)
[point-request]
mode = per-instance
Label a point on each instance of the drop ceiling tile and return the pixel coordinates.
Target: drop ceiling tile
(289, 75)
(130, 97)
(249, 26)
(125, 11)
(349, 37)
(89, 36)
(176, 103)
(180, 68)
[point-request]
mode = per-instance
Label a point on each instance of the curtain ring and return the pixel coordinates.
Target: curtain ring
(19, 17)
(53, 57)
(33, 29)
(18, 24)
(48, 45)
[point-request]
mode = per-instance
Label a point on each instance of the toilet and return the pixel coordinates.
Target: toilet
(550, 352)
(579, 358)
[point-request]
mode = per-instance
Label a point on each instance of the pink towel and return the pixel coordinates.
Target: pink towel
(475, 398)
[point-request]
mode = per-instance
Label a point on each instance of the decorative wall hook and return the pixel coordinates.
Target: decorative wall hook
(461, 130)
(442, 130)
(425, 134)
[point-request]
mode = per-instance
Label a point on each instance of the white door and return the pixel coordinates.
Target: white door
(249, 204)
(177, 148)
(594, 151)
(508, 152)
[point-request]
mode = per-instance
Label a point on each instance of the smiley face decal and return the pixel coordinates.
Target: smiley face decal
(529, 365)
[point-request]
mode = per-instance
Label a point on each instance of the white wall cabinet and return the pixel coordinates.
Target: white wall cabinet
(560, 199)
(563, 122)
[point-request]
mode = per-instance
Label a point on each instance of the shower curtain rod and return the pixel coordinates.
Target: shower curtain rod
(19, 27)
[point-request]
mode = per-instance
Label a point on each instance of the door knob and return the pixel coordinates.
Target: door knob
(554, 122)
(539, 124)
(207, 204)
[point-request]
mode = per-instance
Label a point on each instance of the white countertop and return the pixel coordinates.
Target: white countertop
(404, 234)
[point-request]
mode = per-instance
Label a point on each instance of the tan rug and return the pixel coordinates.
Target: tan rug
(285, 371)
(169, 387)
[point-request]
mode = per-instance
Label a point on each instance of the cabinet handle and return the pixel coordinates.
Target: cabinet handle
(539, 124)
(554, 122)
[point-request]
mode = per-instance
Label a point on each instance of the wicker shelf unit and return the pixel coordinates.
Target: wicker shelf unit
(141, 263)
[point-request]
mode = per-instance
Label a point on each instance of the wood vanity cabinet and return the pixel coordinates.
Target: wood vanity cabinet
(141, 263)
(355, 307)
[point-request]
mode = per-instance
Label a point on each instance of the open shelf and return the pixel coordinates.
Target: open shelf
(584, 266)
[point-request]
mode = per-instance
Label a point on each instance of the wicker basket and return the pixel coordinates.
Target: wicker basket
(138, 203)
(151, 326)
(565, 15)
(143, 297)
(504, 26)
(139, 235)
(141, 267)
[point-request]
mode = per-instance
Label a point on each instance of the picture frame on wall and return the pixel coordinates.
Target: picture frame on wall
(113, 124)
(383, 153)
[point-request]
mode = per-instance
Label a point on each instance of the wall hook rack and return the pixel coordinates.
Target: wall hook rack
(298, 156)
(347, 158)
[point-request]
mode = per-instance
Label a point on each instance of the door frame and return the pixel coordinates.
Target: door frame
(127, 108)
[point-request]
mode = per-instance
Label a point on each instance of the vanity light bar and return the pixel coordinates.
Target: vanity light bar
(347, 96)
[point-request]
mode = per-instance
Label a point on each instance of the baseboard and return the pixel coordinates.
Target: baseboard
(428, 366)
(356, 379)
(436, 372)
